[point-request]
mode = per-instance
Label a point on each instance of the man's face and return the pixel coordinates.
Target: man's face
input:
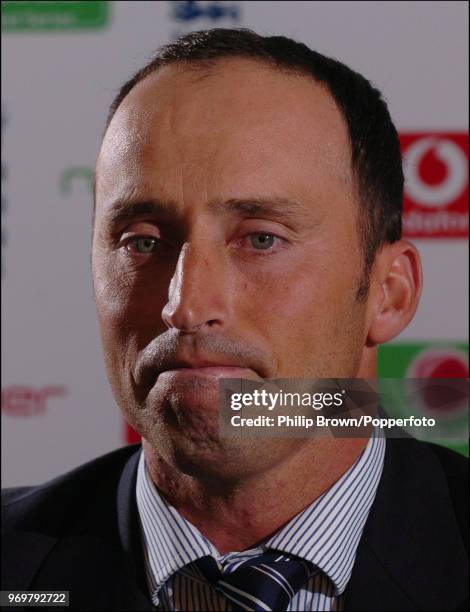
(225, 234)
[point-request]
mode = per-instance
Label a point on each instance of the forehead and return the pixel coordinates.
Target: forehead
(226, 128)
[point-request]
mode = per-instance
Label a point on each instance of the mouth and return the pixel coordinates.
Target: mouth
(214, 371)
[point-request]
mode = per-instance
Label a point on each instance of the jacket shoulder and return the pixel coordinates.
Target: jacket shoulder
(455, 469)
(54, 502)
(454, 464)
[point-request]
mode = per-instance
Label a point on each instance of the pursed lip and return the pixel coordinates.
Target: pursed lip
(185, 366)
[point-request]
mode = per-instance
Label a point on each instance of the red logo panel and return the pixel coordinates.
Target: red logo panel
(130, 435)
(435, 165)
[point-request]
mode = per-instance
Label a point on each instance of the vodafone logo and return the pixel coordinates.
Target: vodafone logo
(430, 157)
(436, 185)
(437, 393)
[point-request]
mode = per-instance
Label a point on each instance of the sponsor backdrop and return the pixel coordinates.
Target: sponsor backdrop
(62, 63)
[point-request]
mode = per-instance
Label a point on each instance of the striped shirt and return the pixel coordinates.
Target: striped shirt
(326, 534)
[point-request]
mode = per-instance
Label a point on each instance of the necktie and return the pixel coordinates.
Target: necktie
(266, 582)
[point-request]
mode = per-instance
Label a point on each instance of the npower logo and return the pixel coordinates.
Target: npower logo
(28, 401)
(436, 185)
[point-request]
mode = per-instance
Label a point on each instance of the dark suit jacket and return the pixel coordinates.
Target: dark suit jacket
(80, 533)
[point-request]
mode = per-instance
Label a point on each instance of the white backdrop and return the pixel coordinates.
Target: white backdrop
(57, 83)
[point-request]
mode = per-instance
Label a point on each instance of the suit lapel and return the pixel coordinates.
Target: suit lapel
(96, 573)
(411, 555)
(128, 520)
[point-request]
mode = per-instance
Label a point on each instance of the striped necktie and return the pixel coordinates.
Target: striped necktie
(266, 582)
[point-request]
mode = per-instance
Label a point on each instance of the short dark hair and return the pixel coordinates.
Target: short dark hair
(375, 149)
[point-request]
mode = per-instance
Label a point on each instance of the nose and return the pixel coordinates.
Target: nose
(197, 296)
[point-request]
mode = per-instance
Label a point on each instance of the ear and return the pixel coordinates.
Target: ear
(395, 291)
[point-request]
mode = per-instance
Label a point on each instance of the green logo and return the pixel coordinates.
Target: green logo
(427, 360)
(67, 15)
(75, 174)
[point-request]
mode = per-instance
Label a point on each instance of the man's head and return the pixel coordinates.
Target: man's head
(248, 203)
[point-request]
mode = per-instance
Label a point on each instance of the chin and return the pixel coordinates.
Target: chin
(218, 459)
(200, 458)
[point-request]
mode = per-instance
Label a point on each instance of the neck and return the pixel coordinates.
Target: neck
(236, 514)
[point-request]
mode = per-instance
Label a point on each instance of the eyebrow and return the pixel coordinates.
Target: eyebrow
(124, 211)
(282, 209)
(274, 208)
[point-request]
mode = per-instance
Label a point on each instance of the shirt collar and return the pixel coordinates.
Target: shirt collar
(326, 533)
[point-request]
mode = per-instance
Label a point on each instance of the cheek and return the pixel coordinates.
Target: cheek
(292, 297)
(130, 304)
(304, 316)
(129, 314)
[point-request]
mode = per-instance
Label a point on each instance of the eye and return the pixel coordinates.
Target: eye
(262, 241)
(143, 244)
